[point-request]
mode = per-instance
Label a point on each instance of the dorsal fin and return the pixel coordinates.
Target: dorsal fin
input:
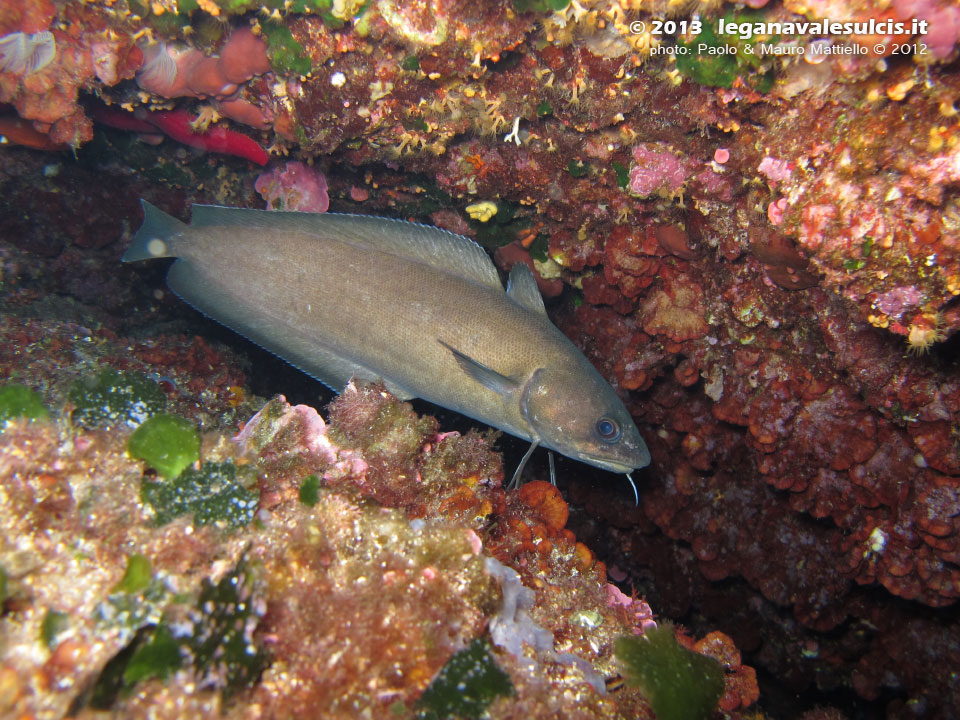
(444, 250)
(522, 288)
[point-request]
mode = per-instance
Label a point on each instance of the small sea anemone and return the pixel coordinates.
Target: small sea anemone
(26, 54)
(925, 330)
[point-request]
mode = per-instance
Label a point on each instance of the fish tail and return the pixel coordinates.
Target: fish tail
(155, 237)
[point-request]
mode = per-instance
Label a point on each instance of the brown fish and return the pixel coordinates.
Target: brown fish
(423, 309)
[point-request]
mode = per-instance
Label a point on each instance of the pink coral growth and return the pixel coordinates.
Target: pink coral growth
(173, 72)
(656, 169)
(642, 614)
(894, 302)
(943, 19)
(315, 432)
(245, 113)
(712, 184)
(294, 187)
(244, 56)
(775, 211)
(278, 418)
(774, 169)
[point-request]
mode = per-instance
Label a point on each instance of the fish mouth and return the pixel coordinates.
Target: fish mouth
(611, 465)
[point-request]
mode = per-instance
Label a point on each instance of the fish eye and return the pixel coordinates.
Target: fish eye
(608, 430)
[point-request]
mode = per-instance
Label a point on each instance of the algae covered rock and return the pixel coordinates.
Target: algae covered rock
(211, 494)
(114, 397)
(466, 685)
(679, 684)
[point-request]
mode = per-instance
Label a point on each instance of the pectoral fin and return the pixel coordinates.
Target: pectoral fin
(487, 377)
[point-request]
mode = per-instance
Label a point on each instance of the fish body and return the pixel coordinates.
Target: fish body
(422, 309)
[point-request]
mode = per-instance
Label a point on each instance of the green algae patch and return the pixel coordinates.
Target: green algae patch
(214, 634)
(540, 6)
(19, 401)
(540, 247)
(54, 624)
(623, 175)
(577, 168)
(136, 578)
(310, 491)
(728, 57)
(153, 653)
(465, 686)
(222, 645)
(130, 610)
(167, 443)
(285, 52)
(110, 683)
(211, 494)
(678, 683)
(713, 70)
(157, 657)
(114, 397)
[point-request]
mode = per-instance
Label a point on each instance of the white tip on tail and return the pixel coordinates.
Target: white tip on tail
(154, 239)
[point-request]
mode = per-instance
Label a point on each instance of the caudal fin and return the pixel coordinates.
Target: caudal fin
(155, 237)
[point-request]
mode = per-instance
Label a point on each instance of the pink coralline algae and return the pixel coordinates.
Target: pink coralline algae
(656, 169)
(638, 609)
(294, 187)
(775, 170)
(280, 420)
(775, 211)
(944, 19)
(709, 182)
(895, 302)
